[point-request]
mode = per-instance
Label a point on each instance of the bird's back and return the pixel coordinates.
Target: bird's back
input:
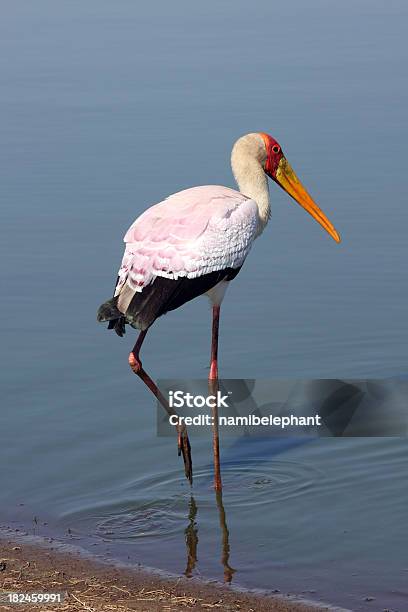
(203, 233)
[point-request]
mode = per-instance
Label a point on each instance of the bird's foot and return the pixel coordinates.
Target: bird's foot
(184, 449)
(135, 363)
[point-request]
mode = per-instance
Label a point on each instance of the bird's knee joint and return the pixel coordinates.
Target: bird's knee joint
(135, 363)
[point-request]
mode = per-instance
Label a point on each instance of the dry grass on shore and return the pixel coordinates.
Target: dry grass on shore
(91, 587)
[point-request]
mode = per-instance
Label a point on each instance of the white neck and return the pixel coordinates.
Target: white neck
(247, 159)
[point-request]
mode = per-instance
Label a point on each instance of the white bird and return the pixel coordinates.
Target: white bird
(195, 242)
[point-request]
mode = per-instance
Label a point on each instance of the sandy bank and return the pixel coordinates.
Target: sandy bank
(93, 587)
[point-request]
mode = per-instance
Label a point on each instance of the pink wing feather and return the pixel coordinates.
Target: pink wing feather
(190, 233)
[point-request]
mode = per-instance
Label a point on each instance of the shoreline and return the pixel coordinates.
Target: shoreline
(32, 564)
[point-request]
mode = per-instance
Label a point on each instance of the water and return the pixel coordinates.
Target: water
(107, 109)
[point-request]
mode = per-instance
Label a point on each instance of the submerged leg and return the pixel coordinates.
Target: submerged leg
(184, 447)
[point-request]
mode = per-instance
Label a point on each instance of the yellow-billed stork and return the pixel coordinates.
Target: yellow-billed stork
(195, 242)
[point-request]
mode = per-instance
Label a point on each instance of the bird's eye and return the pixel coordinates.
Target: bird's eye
(276, 149)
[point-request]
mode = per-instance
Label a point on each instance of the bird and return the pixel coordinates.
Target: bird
(194, 243)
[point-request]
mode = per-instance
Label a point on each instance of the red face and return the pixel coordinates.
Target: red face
(274, 155)
(279, 169)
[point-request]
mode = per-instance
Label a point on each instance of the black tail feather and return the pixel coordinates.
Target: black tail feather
(163, 294)
(108, 311)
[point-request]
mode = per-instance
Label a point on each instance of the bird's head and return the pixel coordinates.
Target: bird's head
(277, 167)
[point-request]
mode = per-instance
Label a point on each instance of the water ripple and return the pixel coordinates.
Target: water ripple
(157, 506)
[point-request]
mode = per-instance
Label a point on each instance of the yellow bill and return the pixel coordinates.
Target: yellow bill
(287, 179)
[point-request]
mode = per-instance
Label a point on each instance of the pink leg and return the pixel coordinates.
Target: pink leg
(183, 441)
(214, 344)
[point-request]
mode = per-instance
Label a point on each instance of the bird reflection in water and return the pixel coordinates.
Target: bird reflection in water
(191, 536)
(225, 548)
(191, 539)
